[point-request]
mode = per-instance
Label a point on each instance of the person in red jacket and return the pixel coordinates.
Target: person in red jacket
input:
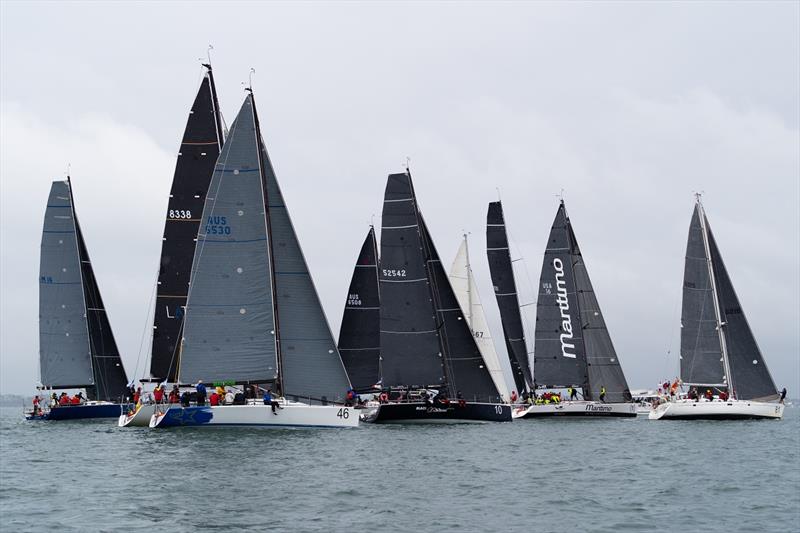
(75, 400)
(63, 399)
(158, 393)
(214, 399)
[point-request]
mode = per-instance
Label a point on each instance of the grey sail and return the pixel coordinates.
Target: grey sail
(505, 291)
(410, 351)
(701, 351)
(64, 354)
(602, 363)
(311, 366)
(466, 371)
(559, 351)
(751, 377)
(229, 326)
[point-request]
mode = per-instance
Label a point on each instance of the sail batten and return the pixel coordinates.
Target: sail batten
(359, 336)
(200, 147)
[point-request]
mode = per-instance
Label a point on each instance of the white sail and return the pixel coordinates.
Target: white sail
(466, 292)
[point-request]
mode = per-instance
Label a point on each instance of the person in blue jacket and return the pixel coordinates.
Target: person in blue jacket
(201, 393)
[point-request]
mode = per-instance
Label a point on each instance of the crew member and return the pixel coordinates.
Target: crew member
(603, 394)
(461, 401)
(268, 400)
(214, 399)
(158, 393)
(201, 392)
(783, 395)
(573, 394)
(513, 396)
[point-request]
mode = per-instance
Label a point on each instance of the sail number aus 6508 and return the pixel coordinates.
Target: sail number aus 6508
(343, 413)
(392, 273)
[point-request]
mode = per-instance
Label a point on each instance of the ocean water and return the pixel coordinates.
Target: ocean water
(529, 475)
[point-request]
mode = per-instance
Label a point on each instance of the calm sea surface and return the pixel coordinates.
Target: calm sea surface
(538, 475)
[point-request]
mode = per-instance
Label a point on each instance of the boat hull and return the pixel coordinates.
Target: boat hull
(80, 412)
(291, 415)
(141, 417)
(589, 409)
(418, 412)
(716, 410)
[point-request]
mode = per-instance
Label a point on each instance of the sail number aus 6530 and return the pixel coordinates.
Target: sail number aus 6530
(392, 273)
(343, 413)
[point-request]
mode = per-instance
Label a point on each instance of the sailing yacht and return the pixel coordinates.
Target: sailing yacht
(719, 353)
(77, 349)
(572, 346)
(253, 317)
(431, 367)
(466, 291)
(200, 147)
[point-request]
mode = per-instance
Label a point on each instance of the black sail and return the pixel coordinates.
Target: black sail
(359, 336)
(505, 291)
(410, 351)
(200, 147)
(603, 366)
(751, 377)
(559, 351)
(110, 380)
(466, 371)
(701, 351)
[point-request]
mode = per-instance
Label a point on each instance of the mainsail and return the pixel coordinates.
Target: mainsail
(76, 344)
(198, 154)
(572, 345)
(505, 291)
(425, 340)
(359, 337)
(466, 291)
(253, 315)
(715, 332)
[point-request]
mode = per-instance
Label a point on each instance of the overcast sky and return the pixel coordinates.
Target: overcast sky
(627, 107)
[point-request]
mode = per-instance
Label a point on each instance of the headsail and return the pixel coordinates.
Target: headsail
(229, 326)
(77, 346)
(466, 291)
(198, 154)
(701, 351)
(359, 337)
(505, 291)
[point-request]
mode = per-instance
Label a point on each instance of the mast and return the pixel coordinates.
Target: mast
(717, 312)
(270, 249)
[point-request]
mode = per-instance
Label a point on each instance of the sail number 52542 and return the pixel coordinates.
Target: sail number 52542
(392, 273)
